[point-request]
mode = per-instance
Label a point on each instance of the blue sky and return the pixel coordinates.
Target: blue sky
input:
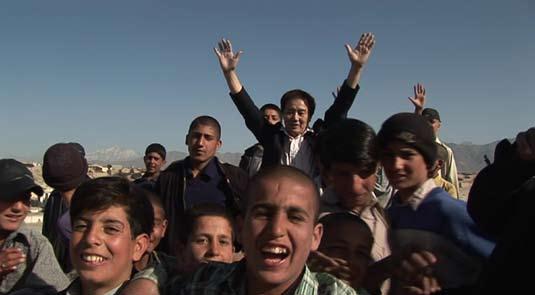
(129, 73)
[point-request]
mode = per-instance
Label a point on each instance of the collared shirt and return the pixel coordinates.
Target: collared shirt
(226, 279)
(40, 271)
(297, 152)
(444, 184)
(205, 187)
(419, 195)
(146, 183)
(75, 288)
(449, 171)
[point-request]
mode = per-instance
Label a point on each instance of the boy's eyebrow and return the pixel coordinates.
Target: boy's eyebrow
(293, 209)
(266, 206)
(271, 207)
(111, 220)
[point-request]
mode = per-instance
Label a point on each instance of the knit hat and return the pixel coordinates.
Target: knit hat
(411, 129)
(156, 148)
(431, 114)
(64, 167)
(15, 179)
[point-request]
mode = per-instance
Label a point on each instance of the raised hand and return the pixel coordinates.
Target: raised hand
(418, 100)
(228, 60)
(360, 54)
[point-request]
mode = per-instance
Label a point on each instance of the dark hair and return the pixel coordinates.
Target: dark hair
(207, 121)
(193, 214)
(299, 94)
(102, 193)
(282, 171)
(156, 148)
(348, 141)
(337, 218)
(270, 106)
(155, 200)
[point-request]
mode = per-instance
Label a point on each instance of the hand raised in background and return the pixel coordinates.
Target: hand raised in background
(228, 60)
(361, 53)
(418, 100)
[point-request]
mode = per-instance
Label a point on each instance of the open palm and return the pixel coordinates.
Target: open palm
(228, 60)
(360, 54)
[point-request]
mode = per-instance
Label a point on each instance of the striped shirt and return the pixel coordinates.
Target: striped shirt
(227, 279)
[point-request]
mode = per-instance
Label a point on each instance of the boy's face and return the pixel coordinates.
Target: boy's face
(203, 143)
(295, 116)
(158, 231)
(279, 231)
(211, 240)
(153, 162)
(352, 185)
(351, 242)
(13, 212)
(102, 248)
(435, 124)
(404, 166)
(272, 116)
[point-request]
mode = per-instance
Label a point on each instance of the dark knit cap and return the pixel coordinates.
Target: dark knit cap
(156, 148)
(64, 167)
(15, 179)
(410, 129)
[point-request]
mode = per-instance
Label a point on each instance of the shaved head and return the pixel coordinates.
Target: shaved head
(278, 173)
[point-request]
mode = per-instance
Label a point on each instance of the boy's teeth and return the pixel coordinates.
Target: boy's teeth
(275, 250)
(93, 258)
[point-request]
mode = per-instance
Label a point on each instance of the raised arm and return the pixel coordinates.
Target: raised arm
(228, 60)
(345, 96)
(418, 100)
(358, 56)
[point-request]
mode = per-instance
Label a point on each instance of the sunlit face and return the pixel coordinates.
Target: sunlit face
(203, 143)
(351, 242)
(295, 115)
(436, 125)
(158, 231)
(279, 231)
(211, 240)
(13, 212)
(353, 186)
(153, 162)
(404, 166)
(272, 116)
(102, 248)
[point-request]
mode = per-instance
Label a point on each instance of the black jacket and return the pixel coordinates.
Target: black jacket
(171, 187)
(271, 137)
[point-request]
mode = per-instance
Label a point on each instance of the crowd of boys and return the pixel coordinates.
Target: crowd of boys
(303, 214)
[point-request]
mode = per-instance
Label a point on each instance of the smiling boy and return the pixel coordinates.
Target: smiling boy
(108, 234)
(280, 229)
(27, 262)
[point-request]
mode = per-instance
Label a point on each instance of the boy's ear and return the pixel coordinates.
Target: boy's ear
(317, 233)
(142, 242)
(164, 225)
